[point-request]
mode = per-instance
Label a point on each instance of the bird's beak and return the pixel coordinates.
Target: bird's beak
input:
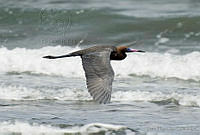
(134, 50)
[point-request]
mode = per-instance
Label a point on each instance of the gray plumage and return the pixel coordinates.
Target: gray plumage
(98, 70)
(99, 74)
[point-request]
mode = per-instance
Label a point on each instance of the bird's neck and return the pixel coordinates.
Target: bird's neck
(118, 56)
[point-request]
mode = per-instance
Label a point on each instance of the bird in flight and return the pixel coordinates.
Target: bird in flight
(98, 70)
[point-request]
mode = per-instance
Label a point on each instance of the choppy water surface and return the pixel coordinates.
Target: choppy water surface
(153, 93)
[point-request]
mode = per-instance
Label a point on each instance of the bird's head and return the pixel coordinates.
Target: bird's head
(125, 49)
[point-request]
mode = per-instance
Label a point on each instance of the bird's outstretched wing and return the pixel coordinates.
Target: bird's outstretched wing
(99, 74)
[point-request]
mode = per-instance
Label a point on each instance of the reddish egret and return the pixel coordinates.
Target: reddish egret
(98, 71)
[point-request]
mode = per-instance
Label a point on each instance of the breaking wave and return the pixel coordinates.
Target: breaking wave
(165, 65)
(157, 97)
(37, 129)
(22, 93)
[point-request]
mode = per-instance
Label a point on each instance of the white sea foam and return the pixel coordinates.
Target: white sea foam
(166, 65)
(23, 93)
(24, 128)
(162, 41)
(181, 99)
(30, 60)
(152, 64)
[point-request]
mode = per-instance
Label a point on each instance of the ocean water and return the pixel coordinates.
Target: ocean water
(154, 93)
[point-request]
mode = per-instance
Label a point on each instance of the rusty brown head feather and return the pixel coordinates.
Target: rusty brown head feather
(121, 51)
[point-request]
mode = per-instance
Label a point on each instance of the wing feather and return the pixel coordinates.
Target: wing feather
(99, 74)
